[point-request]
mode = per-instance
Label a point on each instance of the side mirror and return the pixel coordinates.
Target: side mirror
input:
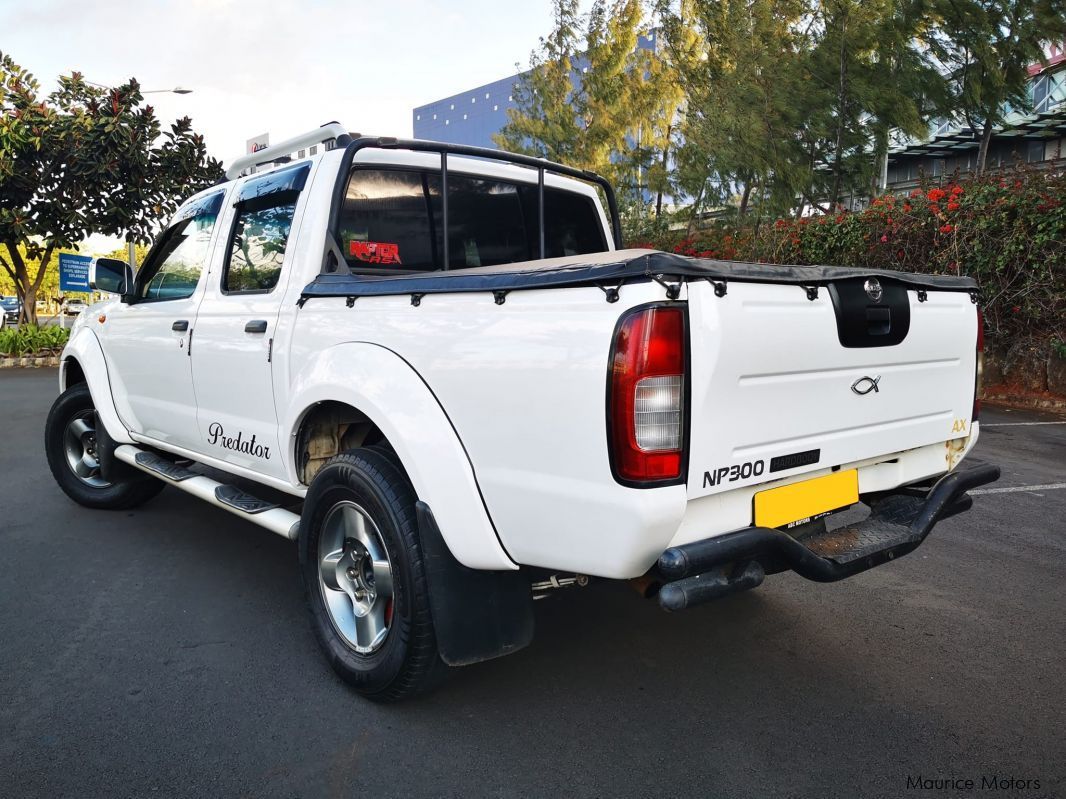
(110, 275)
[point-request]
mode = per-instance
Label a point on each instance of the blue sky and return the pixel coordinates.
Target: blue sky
(281, 67)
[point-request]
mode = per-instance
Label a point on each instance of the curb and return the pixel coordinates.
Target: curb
(28, 361)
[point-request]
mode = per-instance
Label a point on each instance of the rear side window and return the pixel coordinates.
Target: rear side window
(571, 223)
(257, 247)
(392, 220)
(173, 268)
(385, 221)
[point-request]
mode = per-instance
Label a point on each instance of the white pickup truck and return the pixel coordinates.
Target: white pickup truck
(435, 368)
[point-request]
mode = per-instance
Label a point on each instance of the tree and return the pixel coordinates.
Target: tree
(49, 285)
(789, 99)
(543, 121)
(844, 82)
(84, 160)
(988, 46)
(770, 106)
(742, 71)
(908, 87)
(658, 106)
(611, 91)
(582, 99)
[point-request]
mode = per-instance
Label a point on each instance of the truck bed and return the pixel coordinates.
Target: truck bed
(770, 396)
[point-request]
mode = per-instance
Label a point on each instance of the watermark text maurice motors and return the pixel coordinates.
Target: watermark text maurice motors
(984, 782)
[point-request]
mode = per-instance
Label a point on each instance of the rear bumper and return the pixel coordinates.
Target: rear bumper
(898, 523)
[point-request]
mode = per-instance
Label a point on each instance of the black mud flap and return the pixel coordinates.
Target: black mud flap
(111, 468)
(478, 615)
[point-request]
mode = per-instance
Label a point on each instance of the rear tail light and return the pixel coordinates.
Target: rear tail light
(980, 366)
(647, 395)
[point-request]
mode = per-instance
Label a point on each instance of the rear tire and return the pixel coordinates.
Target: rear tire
(70, 446)
(364, 579)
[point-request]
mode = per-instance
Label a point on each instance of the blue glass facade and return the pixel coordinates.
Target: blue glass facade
(467, 118)
(473, 116)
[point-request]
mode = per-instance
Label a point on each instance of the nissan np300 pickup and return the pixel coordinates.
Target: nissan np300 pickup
(436, 369)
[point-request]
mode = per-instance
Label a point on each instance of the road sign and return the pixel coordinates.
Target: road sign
(74, 272)
(257, 143)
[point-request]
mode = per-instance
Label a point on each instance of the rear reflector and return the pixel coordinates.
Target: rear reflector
(647, 395)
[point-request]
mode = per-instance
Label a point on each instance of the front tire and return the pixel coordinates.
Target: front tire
(70, 446)
(364, 579)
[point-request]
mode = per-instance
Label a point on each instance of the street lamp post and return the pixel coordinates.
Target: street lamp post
(131, 251)
(175, 90)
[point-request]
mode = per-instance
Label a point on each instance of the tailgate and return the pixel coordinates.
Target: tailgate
(776, 393)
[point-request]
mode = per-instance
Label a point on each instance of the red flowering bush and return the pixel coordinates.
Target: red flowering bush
(1006, 231)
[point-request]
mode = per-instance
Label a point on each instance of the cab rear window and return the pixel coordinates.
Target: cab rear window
(392, 220)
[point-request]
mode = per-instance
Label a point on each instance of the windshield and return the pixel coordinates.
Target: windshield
(10, 303)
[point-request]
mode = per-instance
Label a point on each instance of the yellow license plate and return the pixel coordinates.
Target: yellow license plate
(800, 503)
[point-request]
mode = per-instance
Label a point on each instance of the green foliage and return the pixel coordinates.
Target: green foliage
(49, 284)
(84, 160)
(791, 102)
(122, 253)
(48, 290)
(769, 106)
(616, 116)
(1007, 231)
(32, 340)
(987, 46)
(544, 122)
(740, 64)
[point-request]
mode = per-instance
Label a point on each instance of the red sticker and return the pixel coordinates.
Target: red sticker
(375, 252)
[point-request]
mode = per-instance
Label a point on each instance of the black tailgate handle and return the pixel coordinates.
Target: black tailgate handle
(256, 326)
(878, 321)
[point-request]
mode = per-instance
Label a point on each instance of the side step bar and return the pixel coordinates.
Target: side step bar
(278, 520)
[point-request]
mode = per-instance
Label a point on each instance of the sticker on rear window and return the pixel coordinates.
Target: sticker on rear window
(375, 252)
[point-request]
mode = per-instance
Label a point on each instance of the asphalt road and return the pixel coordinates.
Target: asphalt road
(165, 652)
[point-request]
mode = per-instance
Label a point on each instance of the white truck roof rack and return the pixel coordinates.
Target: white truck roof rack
(327, 133)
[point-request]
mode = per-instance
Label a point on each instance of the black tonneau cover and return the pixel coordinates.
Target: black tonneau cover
(608, 270)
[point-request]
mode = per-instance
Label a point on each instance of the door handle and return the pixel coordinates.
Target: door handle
(180, 326)
(256, 326)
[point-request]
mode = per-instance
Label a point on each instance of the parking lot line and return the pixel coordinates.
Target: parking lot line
(1018, 424)
(1009, 489)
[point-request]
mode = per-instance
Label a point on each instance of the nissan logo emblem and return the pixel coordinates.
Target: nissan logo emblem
(873, 289)
(864, 385)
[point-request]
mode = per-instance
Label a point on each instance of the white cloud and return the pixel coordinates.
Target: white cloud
(278, 66)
